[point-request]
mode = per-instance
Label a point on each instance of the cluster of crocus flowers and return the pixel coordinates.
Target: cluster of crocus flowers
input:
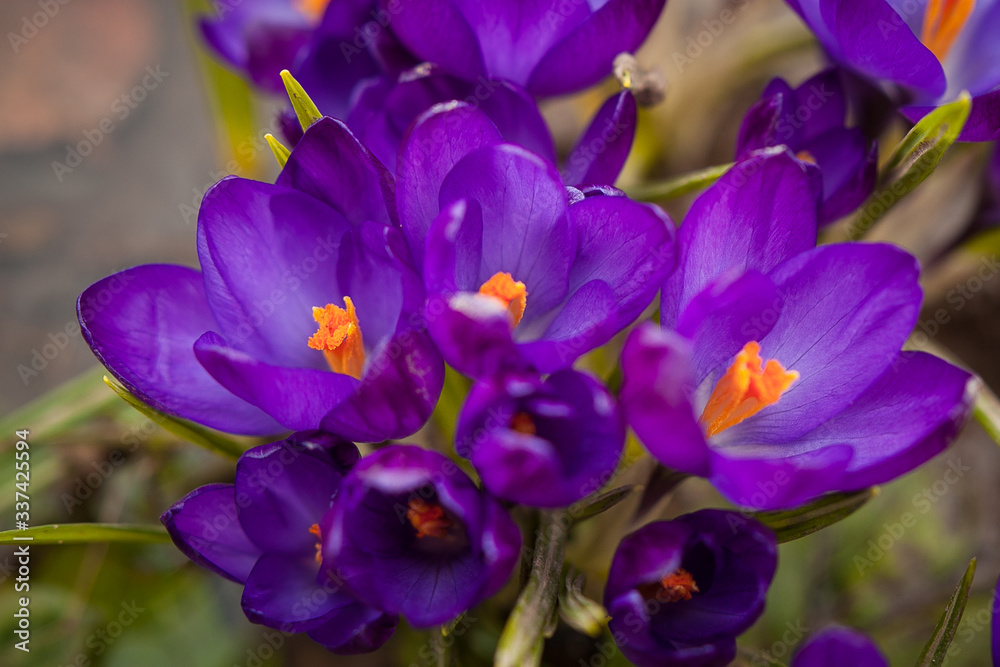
(435, 228)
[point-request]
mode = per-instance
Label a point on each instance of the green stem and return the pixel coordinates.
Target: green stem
(679, 185)
(524, 634)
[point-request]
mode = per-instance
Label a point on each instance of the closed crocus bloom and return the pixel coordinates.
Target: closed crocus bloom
(932, 49)
(809, 120)
(306, 312)
(778, 373)
(263, 532)
(520, 270)
(328, 46)
(679, 592)
(837, 646)
(549, 47)
(411, 534)
(541, 442)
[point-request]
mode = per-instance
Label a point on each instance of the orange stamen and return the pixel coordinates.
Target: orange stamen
(943, 21)
(678, 585)
(314, 529)
(339, 338)
(312, 9)
(747, 387)
(806, 156)
(429, 519)
(511, 294)
(523, 423)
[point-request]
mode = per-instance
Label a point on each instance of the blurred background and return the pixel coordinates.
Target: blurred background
(112, 127)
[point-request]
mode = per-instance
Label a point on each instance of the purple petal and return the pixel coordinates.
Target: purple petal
(601, 152)
(473, 334)
(437, 142)
(354, 629)
(283, 592)
(656, 398)
(585, 56)
(437, 31)
(837, 646)
(849, 167)
(765, 207)
(204, 526)
(330, 164)
(142, 324)
(983, 123)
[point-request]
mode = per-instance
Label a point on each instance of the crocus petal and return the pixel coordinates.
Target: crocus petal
(204, 527)
(846, 311)
(250, 237)
(142, 324)
(983, 123)
(437, 142)
(656, 397)
(473, 334)
(287, 486)
(837, 646)
(600, 154)
(283, 592)
(849, 167)
(907, 416)
(437, 31)
(766, 209)
(585, 55)
(355, 628)
(298, 398)
(330, 164)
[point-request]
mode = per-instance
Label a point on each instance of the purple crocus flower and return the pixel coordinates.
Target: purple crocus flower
(837, 646)
(412, 535)
(810, 121)
(679, 592)
(520, 270)
(305, 313)
(263, 532)
(541, 442)
(549, 47)
(931, 49)
(329, 46)
(778, 374)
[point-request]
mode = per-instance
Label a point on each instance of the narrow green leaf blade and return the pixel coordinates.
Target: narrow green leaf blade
(936, 649)
(305, 109)
(62, 408)
(600, 502)
(680, 185)
(987, 412)
(191, 432)
(792, 524)
(913, 160)
(84, 533)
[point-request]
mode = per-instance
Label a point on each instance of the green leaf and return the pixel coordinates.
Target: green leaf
(84, 533)
(936, 649)
(280, 151)
(792, 524)
(680, 185)
(183, 429)
(306, 110)
(577, 610)
(987, 412)
(595, 504)
(913, 160)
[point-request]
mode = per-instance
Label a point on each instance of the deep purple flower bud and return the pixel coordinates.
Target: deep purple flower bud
(809, 120)
(306, 313)
(263, 532)
(778, 373)
(931, 50)
(679, 592)
(411, 534)
(545, 443)
(837, 646)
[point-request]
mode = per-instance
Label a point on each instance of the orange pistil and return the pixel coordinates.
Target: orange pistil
(746, 388)
(312, 9)
(314, 529)
(512, 294)
(523, 423)
(943, 21)
(678, 585)
(429, 519)
(339, 338)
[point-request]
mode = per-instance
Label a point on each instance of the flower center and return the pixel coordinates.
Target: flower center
(512, 294)
(943, 21)
(312, 9)
(339, 338)
(314, 529)
(428, 519)
(747, 387)
(523, 423)
(678, 585)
